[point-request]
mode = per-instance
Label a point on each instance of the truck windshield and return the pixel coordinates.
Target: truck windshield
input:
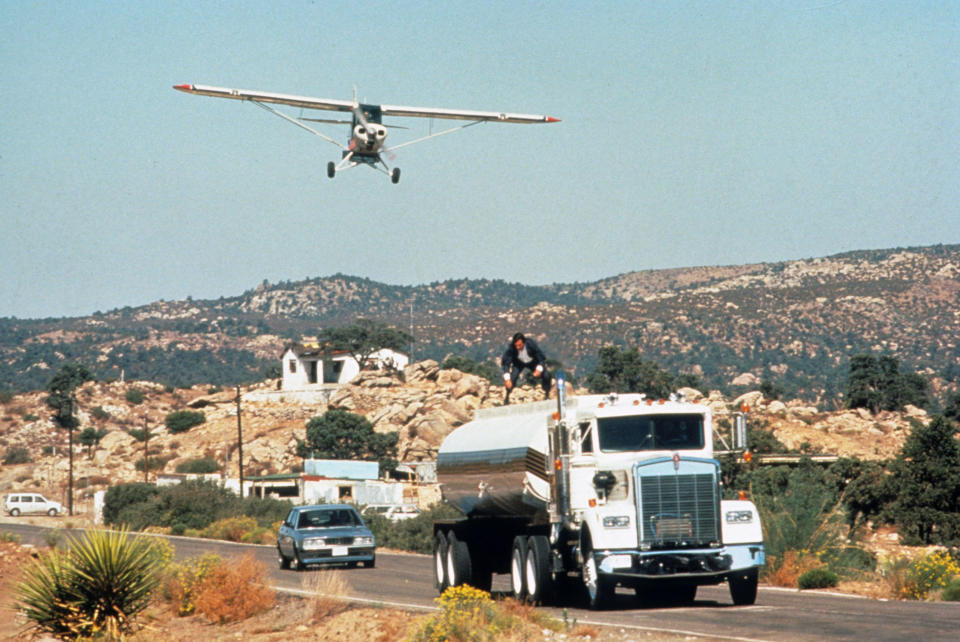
(650, 432)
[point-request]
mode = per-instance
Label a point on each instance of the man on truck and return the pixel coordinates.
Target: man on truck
(523, 354)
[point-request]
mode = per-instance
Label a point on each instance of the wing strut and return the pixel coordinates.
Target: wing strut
(297, 123)
(445, 131)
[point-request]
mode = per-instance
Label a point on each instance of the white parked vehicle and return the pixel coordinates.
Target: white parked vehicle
(393, 512)
(24, 503)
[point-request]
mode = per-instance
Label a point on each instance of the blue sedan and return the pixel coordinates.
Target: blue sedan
(325, 534)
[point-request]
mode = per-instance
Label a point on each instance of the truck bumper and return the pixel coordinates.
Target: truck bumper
(708, 564)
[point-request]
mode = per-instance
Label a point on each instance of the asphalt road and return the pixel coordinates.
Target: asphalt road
(405, 580)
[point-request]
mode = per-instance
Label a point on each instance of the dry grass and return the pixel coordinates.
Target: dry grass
(787, 572)
(328, 593)
(234, 590)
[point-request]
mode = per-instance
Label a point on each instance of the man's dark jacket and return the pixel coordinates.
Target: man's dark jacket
(510, 359)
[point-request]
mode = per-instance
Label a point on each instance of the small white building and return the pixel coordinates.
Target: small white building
(307, 366)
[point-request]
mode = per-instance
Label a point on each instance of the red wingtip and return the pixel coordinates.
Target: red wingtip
(551, 119)
(183, 87)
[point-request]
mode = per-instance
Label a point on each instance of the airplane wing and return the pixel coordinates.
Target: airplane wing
(346, 105)
(267, 97)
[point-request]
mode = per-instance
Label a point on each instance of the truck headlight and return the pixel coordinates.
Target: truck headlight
(619, 521)
(739, 516)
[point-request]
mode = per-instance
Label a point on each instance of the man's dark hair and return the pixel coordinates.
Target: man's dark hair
(519, 336)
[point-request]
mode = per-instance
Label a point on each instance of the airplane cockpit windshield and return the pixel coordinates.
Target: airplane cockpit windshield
(650, 432)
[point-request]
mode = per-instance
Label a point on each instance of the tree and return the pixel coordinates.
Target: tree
(626, 371)
(339, 434)
(925, 484)
(61, 387)
(364, 338)
(877, 384)
(90, 437)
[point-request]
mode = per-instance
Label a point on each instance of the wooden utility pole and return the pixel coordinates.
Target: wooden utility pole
(146, 449)
(239, 443)
(71, 403)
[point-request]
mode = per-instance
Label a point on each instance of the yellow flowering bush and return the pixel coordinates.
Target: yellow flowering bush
(185, 579)
(929, 573)
(467, 615)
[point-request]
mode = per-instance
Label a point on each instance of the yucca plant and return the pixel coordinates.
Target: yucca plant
(94, 588)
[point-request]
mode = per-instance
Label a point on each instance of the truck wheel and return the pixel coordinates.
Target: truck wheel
(537, 570)
(599, 588)
(458, 561)
(440, 563)
(518, 584)
(743, 586)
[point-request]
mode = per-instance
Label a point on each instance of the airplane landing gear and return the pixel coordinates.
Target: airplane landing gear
(331, 169)
(395, 175)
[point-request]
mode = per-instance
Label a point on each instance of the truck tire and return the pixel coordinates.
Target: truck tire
(458, 561)
(539, 580)
(743, 586)
(599, 588)
(518, 552)
(440, 563)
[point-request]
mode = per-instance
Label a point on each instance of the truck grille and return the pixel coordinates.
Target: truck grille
(678, 507)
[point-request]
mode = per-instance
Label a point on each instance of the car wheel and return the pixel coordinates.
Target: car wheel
(282, 560)
(295, 562)
(14, 512)
(370, 563)
(52, 512)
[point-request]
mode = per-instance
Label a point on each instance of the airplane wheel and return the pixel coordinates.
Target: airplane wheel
(395, 175)
(332, 169)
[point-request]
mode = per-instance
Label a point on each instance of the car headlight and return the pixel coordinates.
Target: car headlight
(618, 521)
(313, 543)
(739, 516)
(363, 541)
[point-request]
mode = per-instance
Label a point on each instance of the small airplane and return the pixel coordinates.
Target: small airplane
(368, 133)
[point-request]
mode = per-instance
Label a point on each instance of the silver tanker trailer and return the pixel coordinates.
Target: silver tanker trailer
(594, 492)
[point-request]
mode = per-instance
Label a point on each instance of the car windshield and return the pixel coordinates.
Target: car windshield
(650, 432)
(326, 518)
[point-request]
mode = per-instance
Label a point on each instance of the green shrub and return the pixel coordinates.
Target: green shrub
(95, 588)
(952, 591)
(818, 578)
(415, 534)
(198, 466)
(123, 496)
(135, 396)
(9, 537)
(16, 455)
(183, 420)
(232, 529)
(99, 413)
(152, 463)
(849, 561)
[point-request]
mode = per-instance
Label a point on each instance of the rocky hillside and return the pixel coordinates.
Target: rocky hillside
(793, 323)
(423, 408)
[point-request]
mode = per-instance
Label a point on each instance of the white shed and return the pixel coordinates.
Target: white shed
(307, 366)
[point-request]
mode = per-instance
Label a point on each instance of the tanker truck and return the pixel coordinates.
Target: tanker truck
(587, 493)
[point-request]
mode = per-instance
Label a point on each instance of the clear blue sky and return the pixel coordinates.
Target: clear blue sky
(703, 133)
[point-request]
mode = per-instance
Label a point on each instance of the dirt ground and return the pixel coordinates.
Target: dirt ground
(291, 618)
